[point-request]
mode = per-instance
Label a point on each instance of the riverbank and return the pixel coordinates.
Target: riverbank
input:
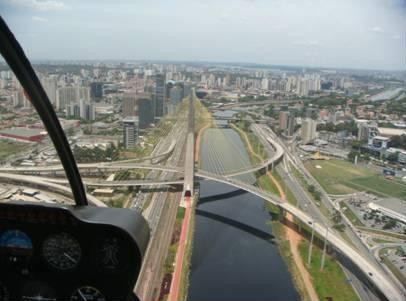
(271, 181)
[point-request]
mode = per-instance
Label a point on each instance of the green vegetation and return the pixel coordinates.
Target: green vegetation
(8, 148)
(180, 214)
(258, 153)
(202, 115)
(249, 98)
(395, 271)
(381, 241)
(96, 154)
(289, 194)
(346, 126)
(117, 203)
(170, 259)
(396, 106)
(266, 183)
(341, 177)
(383, 232)
(188, 257)
(350, 215)
(284, 248)
(331, 282)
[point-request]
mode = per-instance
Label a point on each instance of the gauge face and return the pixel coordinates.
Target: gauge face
(37, 291)
(15, 245)
(4, 294)
(62, 251)
(87, 293)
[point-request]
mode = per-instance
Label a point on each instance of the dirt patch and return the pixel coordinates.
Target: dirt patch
(294, 241)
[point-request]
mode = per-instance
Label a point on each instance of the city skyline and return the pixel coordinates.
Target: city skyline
(294, 33)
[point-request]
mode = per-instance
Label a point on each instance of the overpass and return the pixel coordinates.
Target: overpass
(274, 159)
(154, 159)
(375, 275)
(111, 166)
(256, 103)
(49, 186)
(121, 183)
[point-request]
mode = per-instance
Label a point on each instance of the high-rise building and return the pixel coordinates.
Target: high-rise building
(176, 94)
(50, 86)
(73, 111)
(129, 105)
(159, 97)
(145, 112)
(265, 84)
(89, 112)
(130, 131)
(83, 93)
(96, 90)
(291, 125)
(65, 96)
(363, 131)
(20, 100)
(309, 127)
(283, 120)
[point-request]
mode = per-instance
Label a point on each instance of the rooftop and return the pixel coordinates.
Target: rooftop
(23, 132)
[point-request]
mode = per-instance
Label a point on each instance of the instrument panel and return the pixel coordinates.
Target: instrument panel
(53, 252)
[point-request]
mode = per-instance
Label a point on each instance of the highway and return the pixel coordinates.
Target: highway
(308, 205)
(371, 268)
(161, 214)
(111, 166)
(39, 182)
(123, 183)
(256, 103)
(375, 274)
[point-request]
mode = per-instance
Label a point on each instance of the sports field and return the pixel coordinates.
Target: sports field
(342, 177)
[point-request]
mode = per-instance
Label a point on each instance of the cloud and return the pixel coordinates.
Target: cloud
(378, 29)
(43, 5)
(39, 19)
(396, 37)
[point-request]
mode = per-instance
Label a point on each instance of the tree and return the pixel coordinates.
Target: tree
(356, 144)
(389, 224)
(398, 141)
(339, 227)
(336, 217)
(311, 188)
(269, 111)
(70, 132)
(352, 154)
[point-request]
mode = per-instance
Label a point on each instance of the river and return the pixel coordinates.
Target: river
(235, 257)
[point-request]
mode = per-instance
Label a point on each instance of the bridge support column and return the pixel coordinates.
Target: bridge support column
(309, 256)
(324, 251)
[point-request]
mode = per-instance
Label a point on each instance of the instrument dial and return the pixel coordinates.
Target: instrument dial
(62, 251)
(16, 246)
(87, 293)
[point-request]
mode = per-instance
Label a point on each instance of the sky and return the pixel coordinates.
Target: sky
(365, 34)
